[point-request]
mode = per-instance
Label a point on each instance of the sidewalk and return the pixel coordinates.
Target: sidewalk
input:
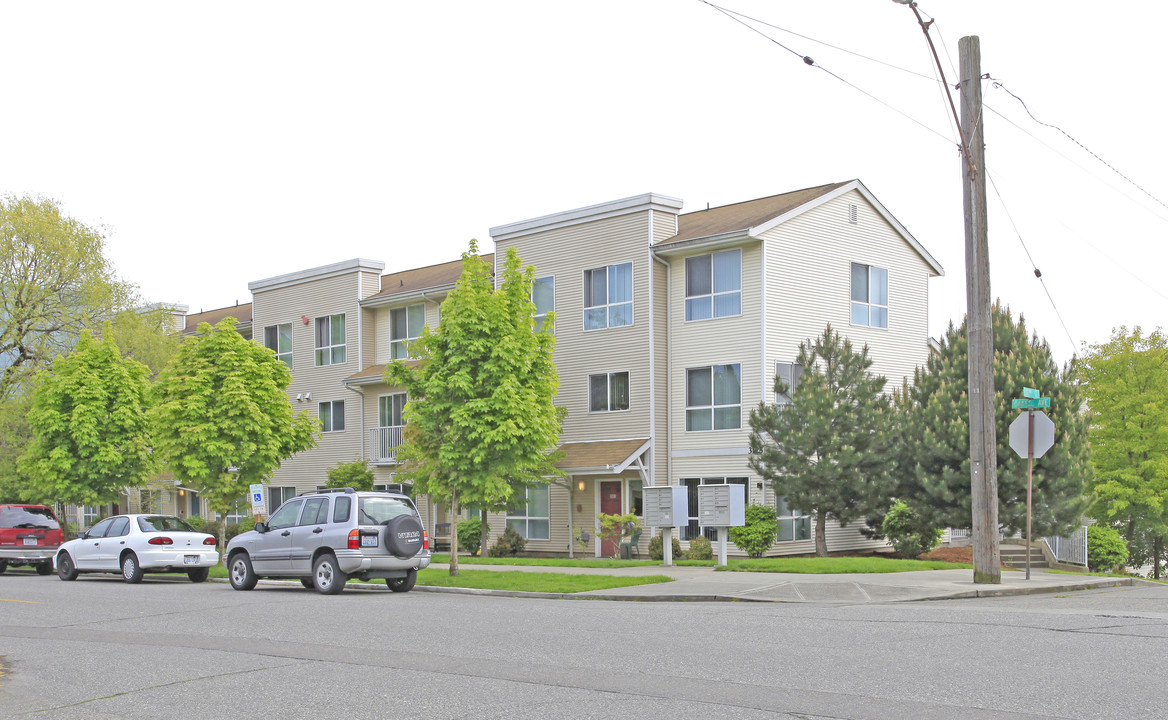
(707, 584)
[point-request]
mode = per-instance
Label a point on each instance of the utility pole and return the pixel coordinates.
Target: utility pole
(983, 439)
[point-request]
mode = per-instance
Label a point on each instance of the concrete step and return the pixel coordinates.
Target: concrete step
(1015, 556)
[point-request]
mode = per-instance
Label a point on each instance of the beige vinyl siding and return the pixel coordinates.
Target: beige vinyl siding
(661, 278)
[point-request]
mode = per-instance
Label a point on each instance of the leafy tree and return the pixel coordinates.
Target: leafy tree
(223, 419)
(54, 282)
(1106, 549)
(480, 420)
(149, 335)
(91, 437)
(1126, 385)
(355, 474)
(759, 533)
(827, 450)
(15, 435)
(904, 530)
(932, 431)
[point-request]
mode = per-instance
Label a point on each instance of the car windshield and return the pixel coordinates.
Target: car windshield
(380, 510)
(18, 516)
(163, 523)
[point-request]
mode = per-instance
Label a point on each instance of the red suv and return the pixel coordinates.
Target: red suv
(29, 535)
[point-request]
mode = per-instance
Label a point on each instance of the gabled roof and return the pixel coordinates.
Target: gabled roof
(601, 456)
(433, 277)
(242, 313)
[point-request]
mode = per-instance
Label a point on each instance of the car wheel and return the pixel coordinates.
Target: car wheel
(65, 568)
(131, 570)
(242, 575)
(199, 574)
(327, 577)
(403, 584)
(307, 583)
(44, 568)
(3, 566)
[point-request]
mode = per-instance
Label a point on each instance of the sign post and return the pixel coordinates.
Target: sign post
(1031, 435)
(255, 492)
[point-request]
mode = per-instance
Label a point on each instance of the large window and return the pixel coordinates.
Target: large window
(793, 524)
(330, 340)
(543, 294)
(713, 398)
(278, 495)
(278, 339)
(869, 296)
(405, 326)
(390, 409)
(692, 530)
(332, 415)
(790, 374)
(608, 392)
(528, 513)
(608, 296)
(713, 285)
(240, 510)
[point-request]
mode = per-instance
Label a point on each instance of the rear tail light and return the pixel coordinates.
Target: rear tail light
(161, 541)
(425, 540)
(354, 540)
(210, 541)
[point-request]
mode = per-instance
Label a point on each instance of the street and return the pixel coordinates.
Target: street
(167, 648)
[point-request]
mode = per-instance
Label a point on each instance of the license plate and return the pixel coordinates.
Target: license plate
(30, 541)
(191, 559)
(368, 541)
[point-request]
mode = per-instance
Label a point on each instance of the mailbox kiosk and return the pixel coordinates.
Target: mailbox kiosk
(722, 507)
(666, 507)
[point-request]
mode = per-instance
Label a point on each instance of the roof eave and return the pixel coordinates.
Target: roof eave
(405, 297)
(678, 247)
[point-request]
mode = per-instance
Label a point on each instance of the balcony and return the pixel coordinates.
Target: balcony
(383, 443)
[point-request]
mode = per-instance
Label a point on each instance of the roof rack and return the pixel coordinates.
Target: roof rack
(346, 490)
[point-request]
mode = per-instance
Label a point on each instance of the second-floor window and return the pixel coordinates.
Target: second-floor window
(713, 285)
(869, 296)
(713, 397)
(608, 392)
(543, 294)
(608, 296)
(332, 415)
(390, 409)
(405, 326)
(330, 340)
(790, 374)
(278, 339)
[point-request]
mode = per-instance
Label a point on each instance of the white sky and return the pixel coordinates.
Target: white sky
(224, 142)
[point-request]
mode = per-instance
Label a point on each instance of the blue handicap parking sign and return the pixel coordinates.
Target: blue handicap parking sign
(257, 497)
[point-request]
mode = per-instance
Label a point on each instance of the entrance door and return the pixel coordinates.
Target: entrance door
(610, 504)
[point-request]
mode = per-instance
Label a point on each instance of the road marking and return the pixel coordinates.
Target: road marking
(30, 602)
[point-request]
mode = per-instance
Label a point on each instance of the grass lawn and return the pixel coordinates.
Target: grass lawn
(833, 565)
(550, 562)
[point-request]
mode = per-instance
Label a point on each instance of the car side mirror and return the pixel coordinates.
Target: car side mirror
(261, 527)
(83, 536)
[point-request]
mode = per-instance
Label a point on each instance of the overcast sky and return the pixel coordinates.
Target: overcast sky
(220, 143)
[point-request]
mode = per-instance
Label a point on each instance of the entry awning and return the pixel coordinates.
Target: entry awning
(602, 456)
(373, 375)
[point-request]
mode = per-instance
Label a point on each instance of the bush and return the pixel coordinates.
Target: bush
(509, 544)
(908, 535)
(1105, 548)
(470, 535)
(759, 533)
(355, 474)
(198, 522)
(657, 548)
(699, 549)
(242, 527)
(211, 527)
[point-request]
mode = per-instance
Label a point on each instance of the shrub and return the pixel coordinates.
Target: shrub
(242, 527)
(614, 528)
(1105, 548)
(470, 535)
(355, 474)
(699, 549)
(509, 544)
(657, 548)
(198, 522)
(907, 533)
(759, 533)
(210, 527)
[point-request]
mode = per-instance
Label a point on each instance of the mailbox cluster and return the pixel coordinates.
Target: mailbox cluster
(719, 506)
(666, 506)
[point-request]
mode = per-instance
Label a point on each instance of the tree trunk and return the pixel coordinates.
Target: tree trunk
(453, 534)
(1157, 554)
(483, 532)
(820, 533)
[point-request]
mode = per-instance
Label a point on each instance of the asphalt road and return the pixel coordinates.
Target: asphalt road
(97, 648)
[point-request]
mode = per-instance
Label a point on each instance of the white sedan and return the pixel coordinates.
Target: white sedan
(135, 544)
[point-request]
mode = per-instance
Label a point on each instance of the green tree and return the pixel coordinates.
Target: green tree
(91, 437)
(222, 417)
(55, 281)
(1126, 385)
(149, 335)
(480, 420)
(355, 474)
(827, 450)
(932, 430)
(15, 435)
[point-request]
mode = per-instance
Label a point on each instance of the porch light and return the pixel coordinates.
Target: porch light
(580, 486)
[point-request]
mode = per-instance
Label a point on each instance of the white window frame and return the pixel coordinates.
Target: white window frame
(793, 518)
(714, 294)
(331, 425)
(791, 373)
(404, 342)
(390, 398)
(286, 356)
(523, 523)
(712, 407)
(869, 306)
(710, 533)
(540, 317)
(278, 495)
(608, 391)
(608, 304)
(328, 354)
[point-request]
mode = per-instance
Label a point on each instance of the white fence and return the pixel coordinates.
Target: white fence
(1071, 550)
(383, 442)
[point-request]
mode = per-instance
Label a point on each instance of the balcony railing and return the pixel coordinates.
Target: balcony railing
(383, 443)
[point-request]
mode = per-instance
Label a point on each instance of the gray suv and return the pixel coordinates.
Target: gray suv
(325, 537)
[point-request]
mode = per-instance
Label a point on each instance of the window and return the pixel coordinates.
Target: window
(869, 296)
(99, 530)
(278, 339)
(285, 516)
(608, 296)
(332, 415)
(405, 326)
(240, 510)
(277, 496)
(330, 340)
(713, 285)
(790, 374)
(400, 488)
(89, 515)
(528, 513)
(120, 527)
(543, 294)
(636, 498)
(341, 509)
(691, 530)
(608, 392)
(713, 398)
(793, 524)
(315, 511)
(390, 409)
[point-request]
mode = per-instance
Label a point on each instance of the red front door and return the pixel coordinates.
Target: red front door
(610, 504)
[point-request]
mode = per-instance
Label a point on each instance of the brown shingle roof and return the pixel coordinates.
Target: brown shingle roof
(598, 454)
(743, 215)
(418, 279)
(242, 313)
(373, 373)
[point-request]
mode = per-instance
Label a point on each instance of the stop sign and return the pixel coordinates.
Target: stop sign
(1043, 433)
